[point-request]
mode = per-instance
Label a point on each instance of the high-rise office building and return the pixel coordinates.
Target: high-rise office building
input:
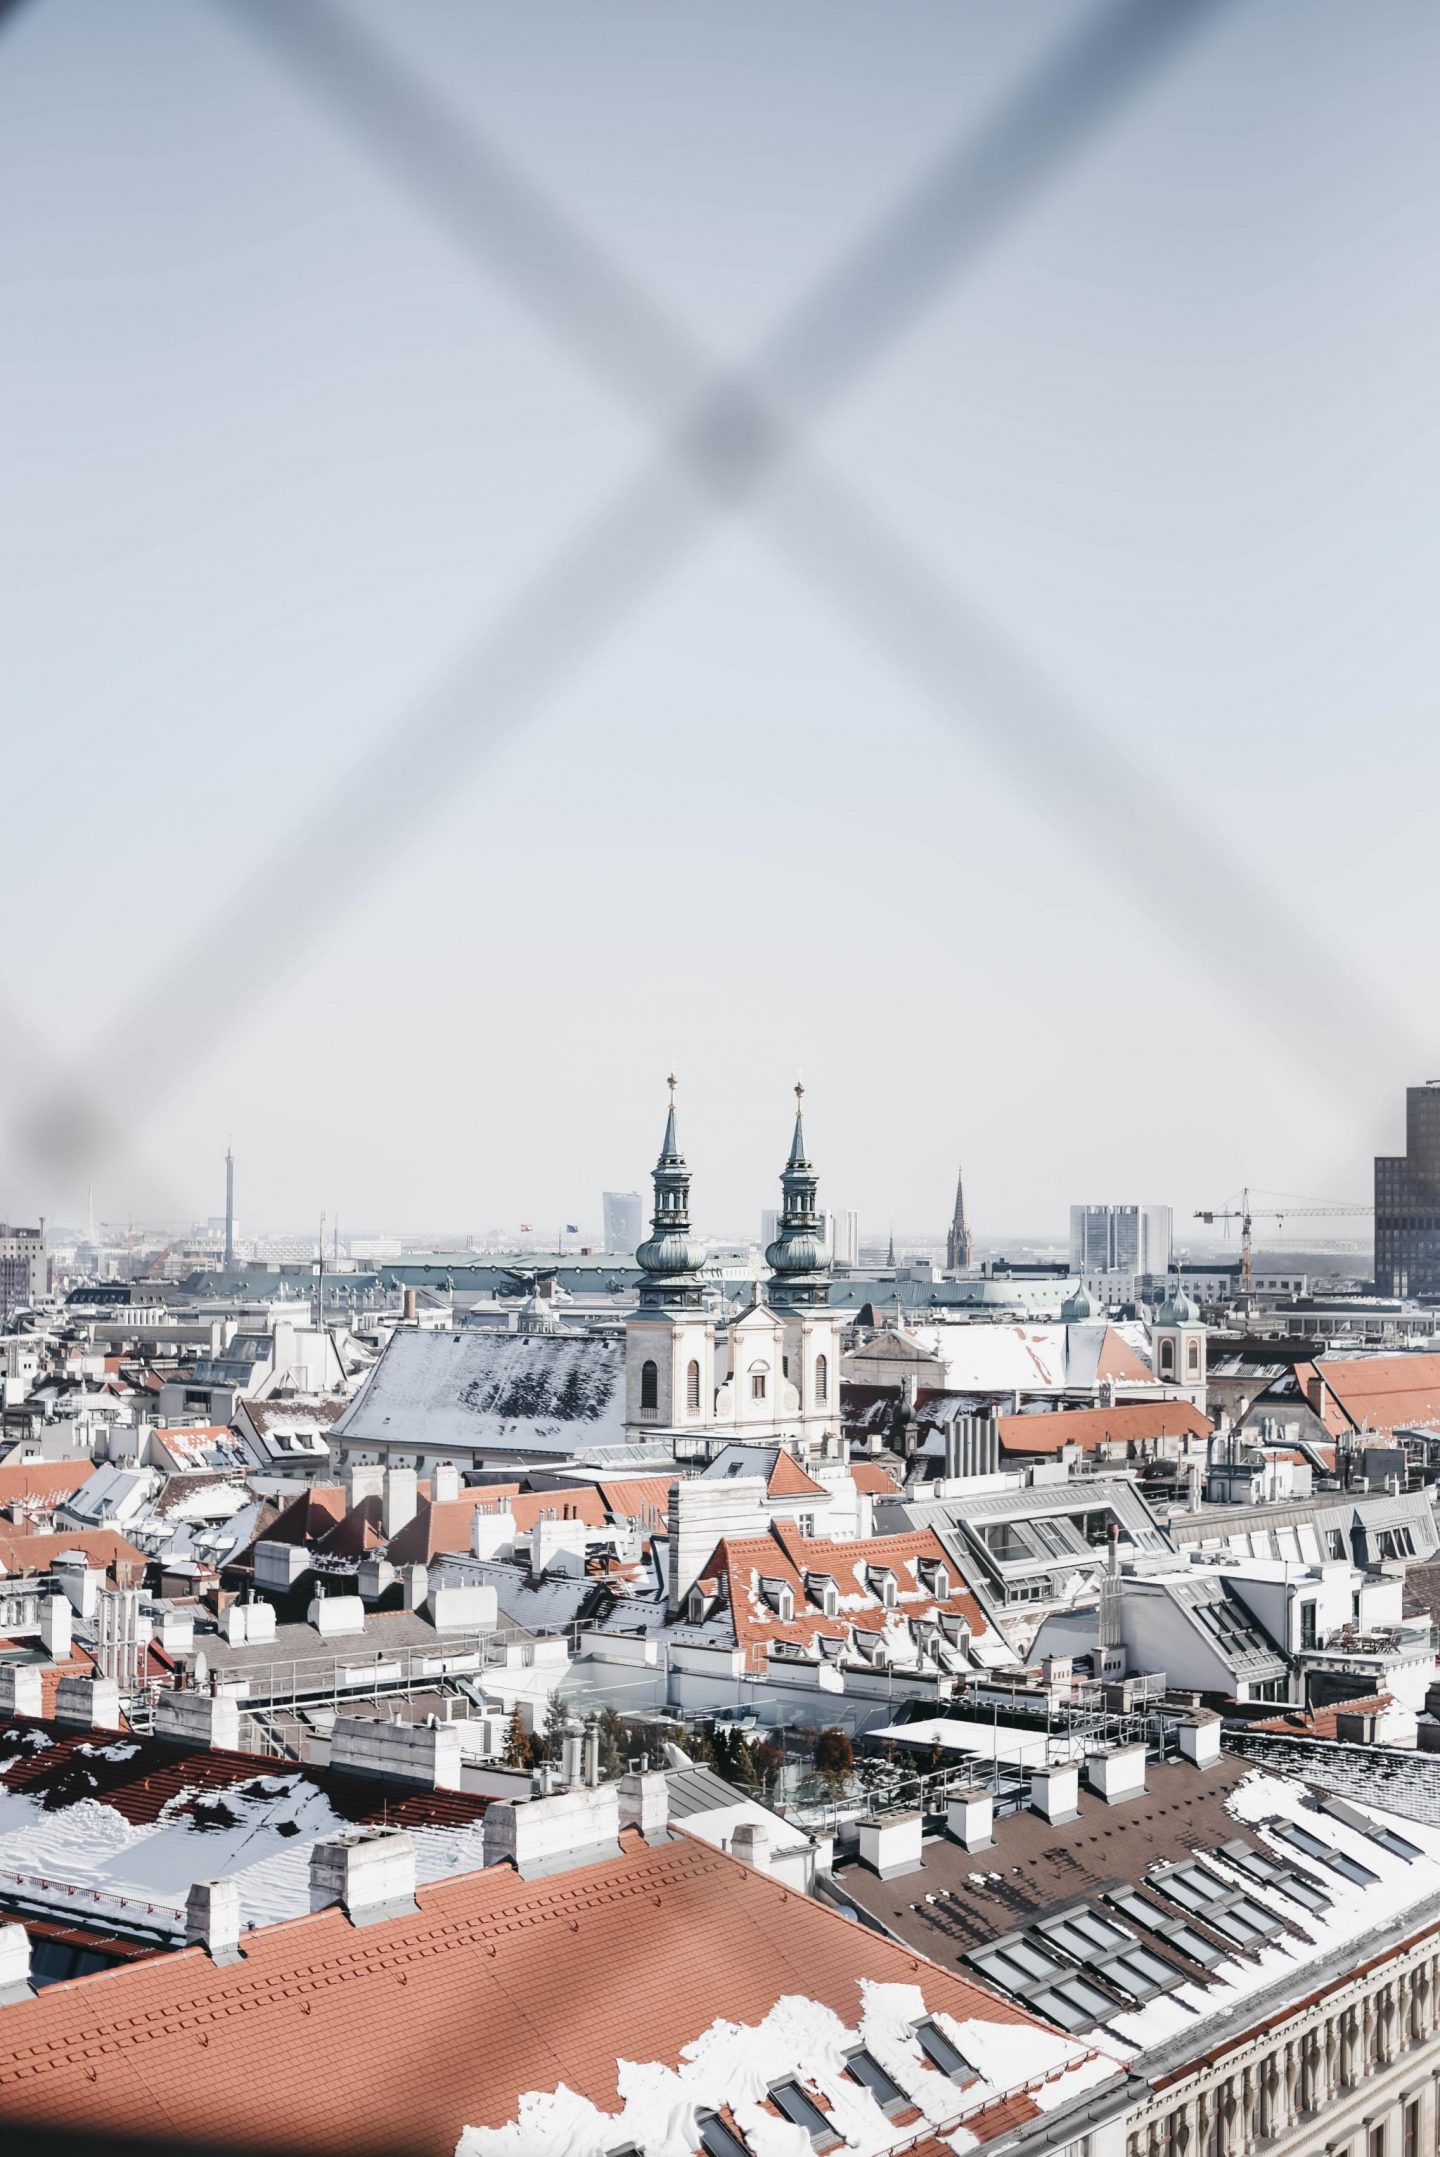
(624, 1221)
(845, 1238)
(1407, 1202)
(1121, 1239)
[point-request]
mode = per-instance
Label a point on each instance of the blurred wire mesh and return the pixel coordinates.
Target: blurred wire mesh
(725, 440)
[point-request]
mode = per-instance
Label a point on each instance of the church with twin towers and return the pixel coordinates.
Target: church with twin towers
(772, 1373)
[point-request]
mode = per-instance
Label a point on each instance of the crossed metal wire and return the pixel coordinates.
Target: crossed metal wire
(727, 440)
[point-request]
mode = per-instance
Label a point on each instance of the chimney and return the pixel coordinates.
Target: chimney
(645, 1802)
(22, 1691)
(400, 1499)
(88, 1703)
(572, 1758)
(370, 1872)
(970, 1818)
(1199, 1739)
(407, 1307)
(1116, 1772)
(592, 1755)
(891, 1846)
(15, 1982)
(1055, 1791)
(212, 1919)
(55, 1620)
(751, 1843)
(205, 1719)
(446, 1482)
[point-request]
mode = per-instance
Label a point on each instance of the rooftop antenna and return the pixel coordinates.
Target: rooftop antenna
(229, 1207)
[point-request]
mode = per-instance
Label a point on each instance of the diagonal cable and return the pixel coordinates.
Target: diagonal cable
(731, 441)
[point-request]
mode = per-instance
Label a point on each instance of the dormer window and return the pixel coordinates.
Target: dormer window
(697, 1606)
(781, 1598)
(935, 1578)
(823, 1591)
(883, 1585)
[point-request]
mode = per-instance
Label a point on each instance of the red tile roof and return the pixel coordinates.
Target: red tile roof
(1127, 1423)
(329, 2038)
(49, 1479)
(1320, 1722)
(789, 1480)
(784, 1554)
(1117, 1359)
(22, 1553)
(155, 1774)
(875, 1481)
(637, 1496)
(1373, 1392)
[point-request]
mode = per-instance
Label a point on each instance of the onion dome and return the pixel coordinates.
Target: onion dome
(668, 1259)
(798, 1259)
(1177, 1309)
(1077, 1307)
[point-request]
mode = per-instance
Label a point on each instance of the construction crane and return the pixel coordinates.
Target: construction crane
(1246, 1215)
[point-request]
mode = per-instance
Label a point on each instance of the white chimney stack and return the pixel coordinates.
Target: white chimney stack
(370, 1873)
(14, 1965)
(212, 1919)
(400, 1499)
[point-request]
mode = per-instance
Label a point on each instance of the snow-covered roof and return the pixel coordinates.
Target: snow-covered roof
(541, 1392)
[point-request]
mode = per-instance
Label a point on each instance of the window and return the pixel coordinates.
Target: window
(1375, 2144)
(692, 1386)
(796, 2106)
(1167, 1359)
(871, 2076)
(941, 2053)
(1349, 1868)
(759, 1374)
(717, 2140)
(1309, 1628)
(1410, 2129)
(822, 1378)
(649, 1386)
(1192, 1359)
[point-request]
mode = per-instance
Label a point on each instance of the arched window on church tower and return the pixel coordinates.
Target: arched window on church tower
(649, 1386)
(692, 1387)
(1167, 1359)
(1192, 1358)
(822, 1378)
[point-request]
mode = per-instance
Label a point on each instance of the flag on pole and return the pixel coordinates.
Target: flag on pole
(525, 1227)
(572, 1228)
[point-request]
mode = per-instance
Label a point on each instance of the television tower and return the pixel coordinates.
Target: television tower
(229, 1209)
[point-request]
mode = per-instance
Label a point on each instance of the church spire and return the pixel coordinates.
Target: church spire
(959, 1243)
(668, 1259)
(798, 1261)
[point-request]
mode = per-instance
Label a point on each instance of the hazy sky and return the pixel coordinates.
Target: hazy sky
(275, 452)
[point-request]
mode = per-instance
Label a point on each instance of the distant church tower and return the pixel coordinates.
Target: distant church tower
(800, 1290)
(959, 1243)
(670, 1338)
(1178, 1335)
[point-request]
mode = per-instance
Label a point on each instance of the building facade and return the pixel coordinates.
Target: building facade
(624, 1221)
(1407, 1202)
(1121, 1239)
(22, 1267)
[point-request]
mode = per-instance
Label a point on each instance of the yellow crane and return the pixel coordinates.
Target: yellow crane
(1246, 1215)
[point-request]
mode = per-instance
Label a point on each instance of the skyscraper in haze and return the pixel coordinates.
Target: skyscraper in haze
(1121, 1239)
(624, 1221)
(1407, 1202)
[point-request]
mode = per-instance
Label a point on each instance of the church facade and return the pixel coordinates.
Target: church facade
(772, 1373)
